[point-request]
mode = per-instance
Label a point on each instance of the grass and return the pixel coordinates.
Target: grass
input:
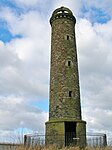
(64, 148)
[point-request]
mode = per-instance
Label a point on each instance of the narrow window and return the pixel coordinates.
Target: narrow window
(70, 93)
(67, 37)
(69, 63)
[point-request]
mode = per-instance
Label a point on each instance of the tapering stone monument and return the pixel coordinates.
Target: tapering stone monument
(65, 126)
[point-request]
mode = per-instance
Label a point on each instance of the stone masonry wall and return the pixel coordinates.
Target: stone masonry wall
(64, 78)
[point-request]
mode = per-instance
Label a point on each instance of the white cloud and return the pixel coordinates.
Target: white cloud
(27, 2)
(28, 56)
(43, 7)
(94, 47)
(73, 5)
(16, 113)
(19, 117)
(96, 11)
(24, 71)
(105, 5)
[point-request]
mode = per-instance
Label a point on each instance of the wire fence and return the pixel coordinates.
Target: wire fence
(13, 138)
(93, 140)
(96, 140)
(9, 146)
(36, 139)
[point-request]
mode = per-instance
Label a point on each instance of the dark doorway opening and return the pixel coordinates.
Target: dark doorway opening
(70, 133)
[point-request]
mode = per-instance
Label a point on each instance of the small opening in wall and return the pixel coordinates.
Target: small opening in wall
(69, 63)
(67, 37)
(57, 106)
(70, 93)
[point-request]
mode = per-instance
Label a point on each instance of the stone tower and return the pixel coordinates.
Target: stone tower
(65, 125)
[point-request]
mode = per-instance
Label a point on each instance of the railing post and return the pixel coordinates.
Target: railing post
(104, 140)
(25, 139)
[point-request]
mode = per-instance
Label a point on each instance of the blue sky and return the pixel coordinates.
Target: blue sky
(96, 15)
(92, 13)
(25, 59)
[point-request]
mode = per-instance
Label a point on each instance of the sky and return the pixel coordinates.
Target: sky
(25, 41)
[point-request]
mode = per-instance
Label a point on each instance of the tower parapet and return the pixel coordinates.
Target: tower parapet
(62, 12)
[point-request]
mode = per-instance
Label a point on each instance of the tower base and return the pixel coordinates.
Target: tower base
(66, 133)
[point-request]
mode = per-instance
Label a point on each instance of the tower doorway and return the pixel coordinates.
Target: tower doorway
(70, 133)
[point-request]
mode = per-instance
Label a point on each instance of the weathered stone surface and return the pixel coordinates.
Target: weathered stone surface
(55, 133)
(81, 132)
(64, 78)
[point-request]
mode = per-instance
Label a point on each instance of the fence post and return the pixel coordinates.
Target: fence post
(104, 140)
(25, 139)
